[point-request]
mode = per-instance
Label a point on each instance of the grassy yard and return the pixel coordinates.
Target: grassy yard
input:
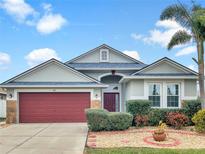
(142, 151)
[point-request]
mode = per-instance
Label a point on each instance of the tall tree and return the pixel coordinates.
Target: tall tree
(193, 21)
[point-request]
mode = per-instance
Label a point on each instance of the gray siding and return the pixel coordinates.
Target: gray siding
(164, 67)
(135, 89)
(94, 57)
(52, 73)
(190, 87)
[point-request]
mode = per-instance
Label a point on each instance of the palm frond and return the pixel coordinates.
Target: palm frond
(178, 13)
(180, 37)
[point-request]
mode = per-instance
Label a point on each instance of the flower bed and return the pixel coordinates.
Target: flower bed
(177, 139)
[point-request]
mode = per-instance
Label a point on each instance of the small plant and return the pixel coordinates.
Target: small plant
(161, 128)
(119, 121)
(102, 120)
(138, 107)
(159, 134)
(141, 120)
(156, 115)
(199, 121)
(190, 108)
(177, 120)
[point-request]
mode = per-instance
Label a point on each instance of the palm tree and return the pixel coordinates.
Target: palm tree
(193, 21)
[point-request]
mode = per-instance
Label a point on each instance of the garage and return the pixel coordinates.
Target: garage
(53, 107)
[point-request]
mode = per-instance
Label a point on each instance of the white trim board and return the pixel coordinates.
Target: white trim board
(157, 77)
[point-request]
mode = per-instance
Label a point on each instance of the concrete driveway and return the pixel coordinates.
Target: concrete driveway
(54, 138)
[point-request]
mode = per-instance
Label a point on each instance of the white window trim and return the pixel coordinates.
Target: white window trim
(179, 92)
(163, 103)
(161, 93)
(104, 50)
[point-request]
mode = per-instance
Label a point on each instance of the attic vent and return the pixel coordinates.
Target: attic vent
(104, 55)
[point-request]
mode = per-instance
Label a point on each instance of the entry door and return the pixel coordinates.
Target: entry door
(111, 102)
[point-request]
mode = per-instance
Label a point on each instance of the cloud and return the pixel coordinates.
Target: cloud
(45, 23)
(5, 60)
(168, 24)
(161, 34)
(18, 9)
(133, 54)
(186, 51)
(50, 23)
(136, 36)
(38, 56)
(47, 7)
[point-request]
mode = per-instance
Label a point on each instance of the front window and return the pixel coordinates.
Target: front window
(172, 95)
(154, 94)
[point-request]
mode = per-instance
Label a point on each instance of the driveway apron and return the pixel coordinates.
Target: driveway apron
(52, 138)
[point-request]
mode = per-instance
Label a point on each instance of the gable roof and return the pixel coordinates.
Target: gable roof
(105, 46)
(165, 59)
(90, 79)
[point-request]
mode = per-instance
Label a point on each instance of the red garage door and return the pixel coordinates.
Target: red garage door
(53, 107)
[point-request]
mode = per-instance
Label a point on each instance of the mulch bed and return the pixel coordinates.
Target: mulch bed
(177, 139)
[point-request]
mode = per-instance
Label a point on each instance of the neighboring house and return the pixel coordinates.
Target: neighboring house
(100, 78)
(2, 103)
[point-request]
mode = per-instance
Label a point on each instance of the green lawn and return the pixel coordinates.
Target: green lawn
(142, 151)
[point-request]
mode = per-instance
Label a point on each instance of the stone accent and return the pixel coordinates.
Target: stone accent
(11, 111)
(96, 104)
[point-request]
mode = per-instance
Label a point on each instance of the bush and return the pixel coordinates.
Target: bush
(199, 121)
(157, 115)
(102, 120)
(119, 121)
(97, 119)
(191, 107)
(138, 107)
(141, 120)
(176, 119)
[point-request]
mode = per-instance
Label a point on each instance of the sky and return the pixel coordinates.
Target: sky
(33, 31)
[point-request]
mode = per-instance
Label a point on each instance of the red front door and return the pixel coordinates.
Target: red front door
(53, 107)
(111, 102)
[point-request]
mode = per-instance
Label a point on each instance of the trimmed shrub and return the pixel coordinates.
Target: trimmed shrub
(191, 107)
(199, 121)
(141, 120)
(157, 115)
(97, 119)
(102, 120)
(138, 107)
(119, 121)
(176, 119)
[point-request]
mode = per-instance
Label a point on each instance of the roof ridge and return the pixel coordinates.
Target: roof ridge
(92, 50)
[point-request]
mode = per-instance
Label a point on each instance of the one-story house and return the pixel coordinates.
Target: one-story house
(100, 78)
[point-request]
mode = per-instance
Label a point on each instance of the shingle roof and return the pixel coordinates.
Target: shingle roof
(165, 74)
(106, 65)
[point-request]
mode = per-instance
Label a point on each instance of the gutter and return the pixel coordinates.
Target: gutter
(54, 86)
(158, 77)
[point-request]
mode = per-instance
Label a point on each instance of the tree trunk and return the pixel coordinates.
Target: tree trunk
(200, 48)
